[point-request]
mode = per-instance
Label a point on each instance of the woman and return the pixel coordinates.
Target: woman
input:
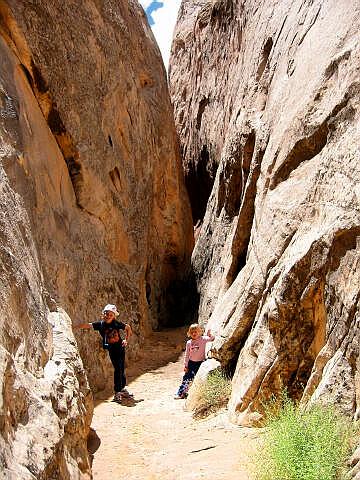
(109, 329)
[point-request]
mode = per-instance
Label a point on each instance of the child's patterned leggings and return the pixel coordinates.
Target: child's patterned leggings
(193, 368)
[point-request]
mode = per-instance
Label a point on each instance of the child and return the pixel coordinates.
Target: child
(112, 341)
(194, 356)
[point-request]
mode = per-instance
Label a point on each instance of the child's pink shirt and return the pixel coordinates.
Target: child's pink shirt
(195, 349)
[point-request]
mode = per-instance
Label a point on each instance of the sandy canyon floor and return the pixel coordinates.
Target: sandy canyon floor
(154, 438)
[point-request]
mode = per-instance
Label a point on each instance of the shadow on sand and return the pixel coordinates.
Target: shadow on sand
(130, 402)
(158, 350)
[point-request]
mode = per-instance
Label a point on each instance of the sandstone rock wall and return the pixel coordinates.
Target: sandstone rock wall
(272, 90)
(94, 210)
(45, 399)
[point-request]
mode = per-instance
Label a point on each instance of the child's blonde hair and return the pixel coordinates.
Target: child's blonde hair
(193, 327)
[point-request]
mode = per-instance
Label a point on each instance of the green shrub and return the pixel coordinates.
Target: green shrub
(214, 393)
(307, 444)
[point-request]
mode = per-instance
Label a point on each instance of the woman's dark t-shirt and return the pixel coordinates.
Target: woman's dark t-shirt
(110, 333)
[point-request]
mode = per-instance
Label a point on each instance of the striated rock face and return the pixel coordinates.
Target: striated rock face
(45, 399)
(272, 91)
(94, 210)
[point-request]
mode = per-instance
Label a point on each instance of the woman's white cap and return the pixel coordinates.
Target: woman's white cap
(110, 308)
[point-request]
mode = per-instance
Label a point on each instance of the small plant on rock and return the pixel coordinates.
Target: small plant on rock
(214, 393)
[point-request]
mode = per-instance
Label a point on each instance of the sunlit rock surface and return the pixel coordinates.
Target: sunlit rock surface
(94, 210)
(271, 92)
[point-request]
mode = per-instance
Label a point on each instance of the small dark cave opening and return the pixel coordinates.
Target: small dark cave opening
(39, 80)
(233, 349)
(55, 123)
(28, 76)
(264, 58)
(181, 300)
(199, 180)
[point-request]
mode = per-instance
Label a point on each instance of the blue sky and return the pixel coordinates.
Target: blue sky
(162, 16)
(152, 8)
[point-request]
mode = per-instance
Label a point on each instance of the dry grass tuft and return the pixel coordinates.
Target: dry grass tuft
(213, 394)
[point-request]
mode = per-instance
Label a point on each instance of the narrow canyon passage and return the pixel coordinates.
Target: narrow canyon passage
(153, 437)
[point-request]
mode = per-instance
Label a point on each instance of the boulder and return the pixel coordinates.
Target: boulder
(194, 397)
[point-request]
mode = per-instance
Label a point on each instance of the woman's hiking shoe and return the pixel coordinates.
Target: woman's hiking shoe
(117, 397)
(126, 394)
